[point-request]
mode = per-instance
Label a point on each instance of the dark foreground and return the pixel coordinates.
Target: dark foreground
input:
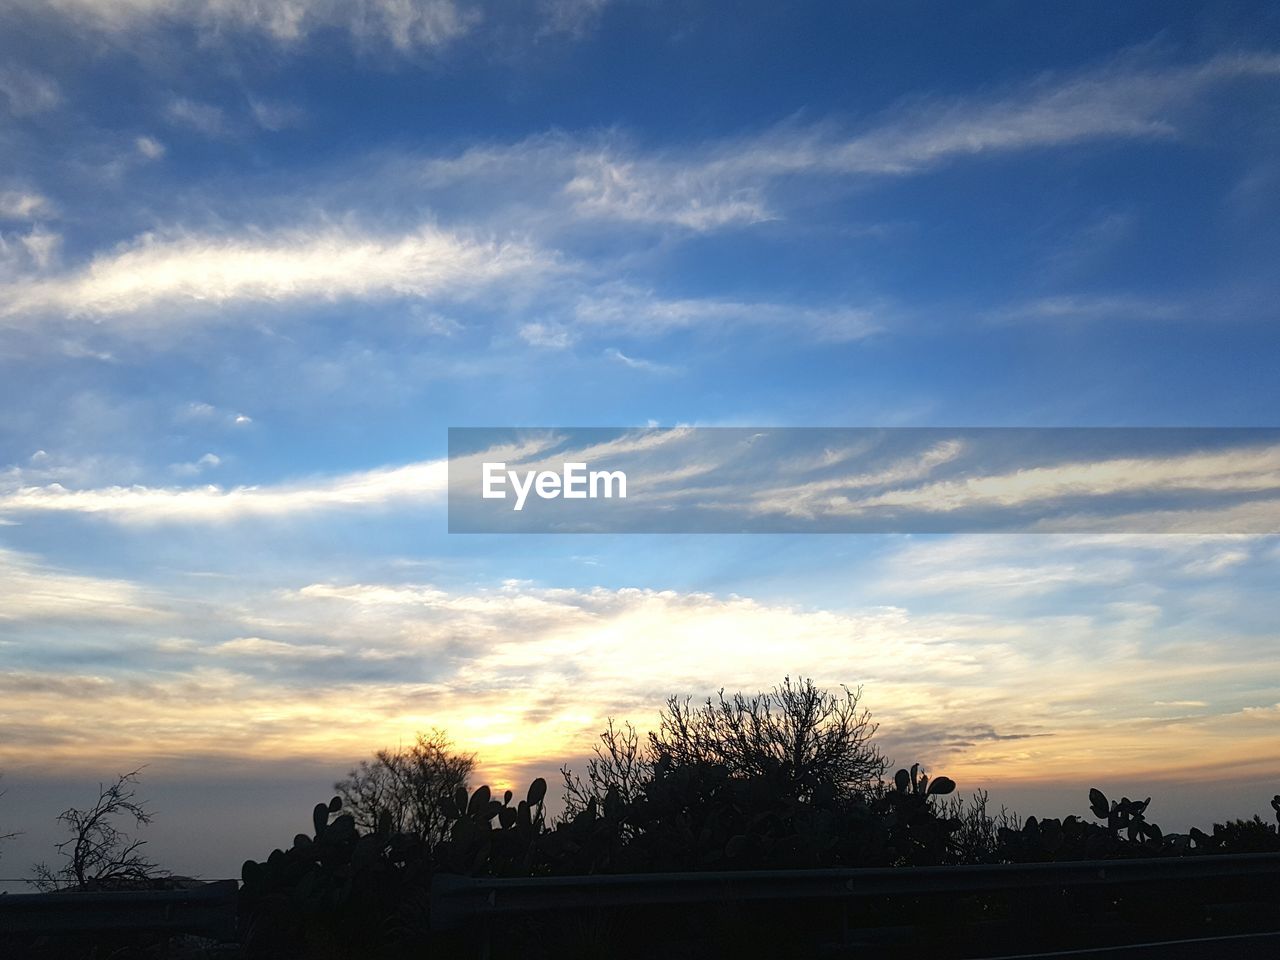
(1211, 906)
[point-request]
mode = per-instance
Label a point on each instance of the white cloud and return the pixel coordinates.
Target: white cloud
(637, 363)
(204, 118)
(207, 462)
(25, 93)
(423, 482)
(275, 114)
(34, 591)
(1085, 308)
(611, 187)
(553, 336)
(626, 309)
(23, 205)
(259, 647)
(1236, 471)
(42, 246)
(740, 180)
(572, 17)
(149, 147)
(405, 25)
(325, 263)
(1122, 101)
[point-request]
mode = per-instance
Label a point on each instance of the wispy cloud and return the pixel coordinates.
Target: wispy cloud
(404, 25)
(1242, 470)
(612, 187)
(24, 92)
(23, 205)
(739, 180)
(638, 312)
(37, 591)
(149, 147)
(205, 118)
(1090, 309)
(637, 363)
(324, 263)
(414, 483)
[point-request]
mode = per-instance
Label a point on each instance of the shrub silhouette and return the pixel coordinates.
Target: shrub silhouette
(779, 781)
(410, 785)
(342, 892)
(803, 740)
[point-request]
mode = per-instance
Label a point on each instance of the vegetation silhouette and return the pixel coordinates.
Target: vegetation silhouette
(410, 785)
(803, 741)
(5, 836)
(100, 854)
(787, 779)
(780, 780)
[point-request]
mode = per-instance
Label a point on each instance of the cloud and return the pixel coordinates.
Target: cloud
(609, 187)
(1249, 470)
(379, 660)
(572, 17)
(623, 309)
(737, 181)
(275, 114)
(196, 467)
(404, 25)
(1118, 102)
(197, 411)
(23, 205)
(204, 118)
(553, 336)
(1091, 309)
(325, 263)
(25, 93)
(423, 483)
(35, 591)
(255, 647)
(42, 246)
(637, 363)
(150, 148)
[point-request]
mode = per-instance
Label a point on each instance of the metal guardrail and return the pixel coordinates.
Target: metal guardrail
(207, 910)
(210, 909)
(456, 901)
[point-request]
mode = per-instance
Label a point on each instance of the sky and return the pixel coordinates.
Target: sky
(256, 258)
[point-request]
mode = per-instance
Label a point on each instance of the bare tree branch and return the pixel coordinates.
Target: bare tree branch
(99, 853)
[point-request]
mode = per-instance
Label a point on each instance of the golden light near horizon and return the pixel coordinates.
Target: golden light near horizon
(523, 675)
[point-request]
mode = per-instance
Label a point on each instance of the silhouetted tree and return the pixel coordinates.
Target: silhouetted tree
(99, 853)
(977, 838)
(412, 785)
(5, 836)
(621, 764)
(801, 738)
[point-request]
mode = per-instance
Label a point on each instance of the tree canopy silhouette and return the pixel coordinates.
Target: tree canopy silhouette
(803, 740)
(797, 736)
(409, 785)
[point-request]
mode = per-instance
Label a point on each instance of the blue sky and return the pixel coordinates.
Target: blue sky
(256, 258)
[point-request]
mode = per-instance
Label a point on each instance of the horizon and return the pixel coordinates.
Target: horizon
(256, 260)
